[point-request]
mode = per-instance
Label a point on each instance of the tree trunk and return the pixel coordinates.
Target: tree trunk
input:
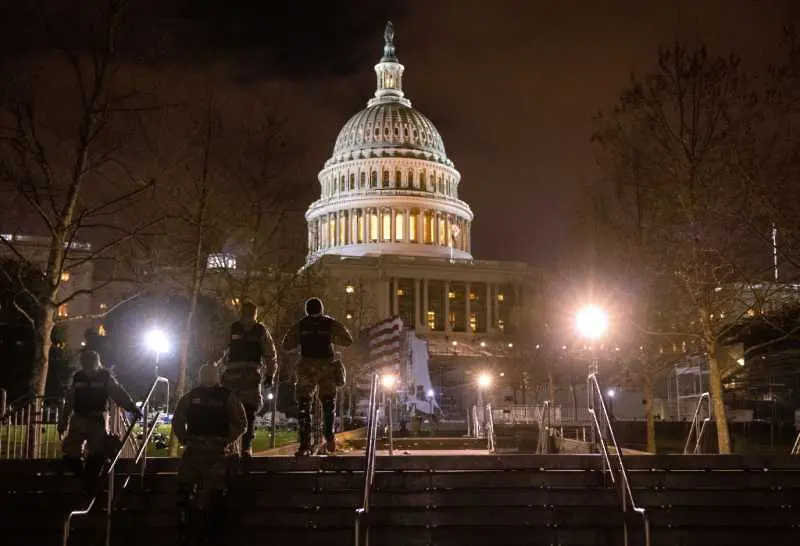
(717, 402)
(648, 413)
(38, 381)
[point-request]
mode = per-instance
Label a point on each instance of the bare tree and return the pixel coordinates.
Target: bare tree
(65, 163)
(682, 148)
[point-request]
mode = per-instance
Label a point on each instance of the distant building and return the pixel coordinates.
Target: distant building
(75, 279)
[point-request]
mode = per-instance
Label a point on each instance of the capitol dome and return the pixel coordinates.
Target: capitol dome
(388, 187)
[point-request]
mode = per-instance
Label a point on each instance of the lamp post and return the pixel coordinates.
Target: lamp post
(431, 394)
(592, 324)
(157, 341)
(273, 397)
(388, 381)
(484, 382)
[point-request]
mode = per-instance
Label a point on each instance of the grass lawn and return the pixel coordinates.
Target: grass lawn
(12, 441)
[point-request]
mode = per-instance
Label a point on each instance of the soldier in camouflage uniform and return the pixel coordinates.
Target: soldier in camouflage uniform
(250, 360)
(85, 417)
(209, 421)
(317, 369)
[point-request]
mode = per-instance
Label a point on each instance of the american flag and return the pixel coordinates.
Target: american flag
(384, 344)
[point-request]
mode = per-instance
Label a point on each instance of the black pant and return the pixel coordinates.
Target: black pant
(306, 410)
(247, 439)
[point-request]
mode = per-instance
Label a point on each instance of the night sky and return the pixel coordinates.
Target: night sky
(511, 85)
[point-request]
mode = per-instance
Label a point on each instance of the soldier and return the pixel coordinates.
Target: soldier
(209, 420)
(318, 369)
(85, 417)
(251, 360)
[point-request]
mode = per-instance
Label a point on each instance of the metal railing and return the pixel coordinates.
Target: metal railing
(796, 447)
(698, 427)
(622, 481)
(110, 473)
(544, 430)
(477, 428)
(28, 429)
(362, 513)
(490, 429)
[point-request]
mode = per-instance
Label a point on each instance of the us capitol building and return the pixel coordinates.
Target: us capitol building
(392, 237)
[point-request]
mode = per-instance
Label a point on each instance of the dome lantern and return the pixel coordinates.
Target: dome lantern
(389, 73)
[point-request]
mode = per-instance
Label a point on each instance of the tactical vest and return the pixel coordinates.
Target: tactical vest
(91, 391)
(208, 412)
(245, 346)
(315, 336)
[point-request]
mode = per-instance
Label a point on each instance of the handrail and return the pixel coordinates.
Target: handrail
(477, 428)
(490, 429)
(796, 448)
(696, 427)
(544, 430)
(110, 472)
(369, 463)
(595, 393)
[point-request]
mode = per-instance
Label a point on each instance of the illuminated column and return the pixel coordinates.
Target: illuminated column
(447, 327)
(392, 226)
(425, 307)
(407, 230)
(489, 306)
(365, 225)
(466, 308)
(395, 297)
(417, 301)
(436, 227)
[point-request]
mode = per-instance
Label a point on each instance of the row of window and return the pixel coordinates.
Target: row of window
(388, 225)
(421, 181)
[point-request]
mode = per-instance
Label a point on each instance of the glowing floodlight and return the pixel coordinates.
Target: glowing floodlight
(484, 380)
(592, 322)
(388, 381)
(157, 341)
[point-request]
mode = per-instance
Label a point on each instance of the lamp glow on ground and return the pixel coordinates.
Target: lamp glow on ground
(592, 322)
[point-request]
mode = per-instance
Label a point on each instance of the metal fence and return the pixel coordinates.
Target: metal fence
(29, 429)
(523, 415)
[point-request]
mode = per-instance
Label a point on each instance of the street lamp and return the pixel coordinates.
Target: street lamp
(388, 381)
(158, 342)
(431, 394)
(592, 323)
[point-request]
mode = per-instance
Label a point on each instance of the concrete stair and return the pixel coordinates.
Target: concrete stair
(436, 500)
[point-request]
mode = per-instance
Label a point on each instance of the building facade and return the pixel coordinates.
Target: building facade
(392, 237)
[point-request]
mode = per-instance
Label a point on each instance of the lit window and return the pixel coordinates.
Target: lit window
(442, 231)
(349, 316)
(412, 226)
(360, 227)
(473, 296)
(401, 292)
(65, 276)
(399, 225)
(373, 226)
(101, 330)
(500, 296)
(428, 227)
(221, 261)
(63, 310)
(387, 225)
(473, 322)
(349, 289)
(235, 302)
(501, 325)
(451, 295)
(431, 320)
(103, 306)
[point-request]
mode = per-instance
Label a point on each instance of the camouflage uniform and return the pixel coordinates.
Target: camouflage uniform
(208, 421)
(317, 370)
(251, 360)
(85, 420)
